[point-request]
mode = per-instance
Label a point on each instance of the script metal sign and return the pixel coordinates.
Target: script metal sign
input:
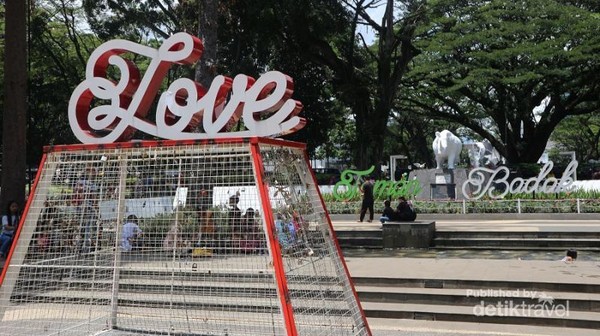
(349, 186)
(496, 184)
(103, 111)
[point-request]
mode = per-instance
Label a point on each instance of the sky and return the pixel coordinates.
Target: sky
(369, 33)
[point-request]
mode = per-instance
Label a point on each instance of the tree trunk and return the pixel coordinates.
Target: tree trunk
(371, 126)
(15, 104)
(208, 24)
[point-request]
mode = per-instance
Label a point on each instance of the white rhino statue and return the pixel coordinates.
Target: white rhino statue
(476, 154)
(446, 146)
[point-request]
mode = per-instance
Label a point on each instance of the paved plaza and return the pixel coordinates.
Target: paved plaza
(384, 327)
(536, 266)
(484, 265)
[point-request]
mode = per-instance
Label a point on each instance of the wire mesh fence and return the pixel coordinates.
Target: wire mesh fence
(219, 238)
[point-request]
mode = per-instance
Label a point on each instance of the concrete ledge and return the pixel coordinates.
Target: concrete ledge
(417, 234)
(511, 216)
(486, 216)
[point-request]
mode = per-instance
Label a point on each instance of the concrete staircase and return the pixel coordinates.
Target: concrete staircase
(371, 238)
(571, 305)
(539, 303)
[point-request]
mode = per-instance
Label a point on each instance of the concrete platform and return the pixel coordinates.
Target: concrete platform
(416, 234)
(579, 272)
(490, 222)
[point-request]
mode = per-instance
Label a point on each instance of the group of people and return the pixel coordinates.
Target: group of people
(244, 230)
(291, 234)
(404, 211)
(242, 233)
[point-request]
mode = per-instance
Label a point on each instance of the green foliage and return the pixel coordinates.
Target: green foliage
(526, 170)
(563, 202)
(508, 205)
(57, 64)
(580, 134)
(497, 67)
(133, 19)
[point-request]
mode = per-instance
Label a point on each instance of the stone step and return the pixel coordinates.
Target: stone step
(441, 296)
(517, 234)
(473, 297)
(477, 240)
(375, 233)
(552, 316)
(388, 298)
(474, 249)
(404, 327)
(517, 242)
(373, 288)
(252, 302)
(577, 310)
(386, 282)
(361, 242)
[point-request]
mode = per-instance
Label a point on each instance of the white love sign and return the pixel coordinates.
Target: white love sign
(496, 184)
(103, 111)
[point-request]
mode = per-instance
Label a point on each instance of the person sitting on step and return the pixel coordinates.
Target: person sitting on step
(405, 210)
(389, 214)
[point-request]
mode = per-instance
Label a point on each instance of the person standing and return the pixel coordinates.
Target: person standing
(131, 234)
(250, 233)
(85, 198)
(368, 199)
(206, 233)
(10, 222)
(232, 243)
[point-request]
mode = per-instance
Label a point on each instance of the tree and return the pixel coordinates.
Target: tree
(509, 71)
(252, 37)
(238, 36)
(133, 19)
(580, 134)
(367, 78)
(412, 134)
(58, 56)
(208, 29)
(15, 103)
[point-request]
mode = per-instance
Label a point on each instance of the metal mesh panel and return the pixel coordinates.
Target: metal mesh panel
(321, 294)
(173, 240)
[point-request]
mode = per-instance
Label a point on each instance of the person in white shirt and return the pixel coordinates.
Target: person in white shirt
(131, 233)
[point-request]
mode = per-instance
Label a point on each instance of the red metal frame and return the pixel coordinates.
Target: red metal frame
(280, 142)
(155, 143)
(337, 246)
(284, 295)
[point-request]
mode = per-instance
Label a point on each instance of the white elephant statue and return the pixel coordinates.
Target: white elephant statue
(446, 146)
